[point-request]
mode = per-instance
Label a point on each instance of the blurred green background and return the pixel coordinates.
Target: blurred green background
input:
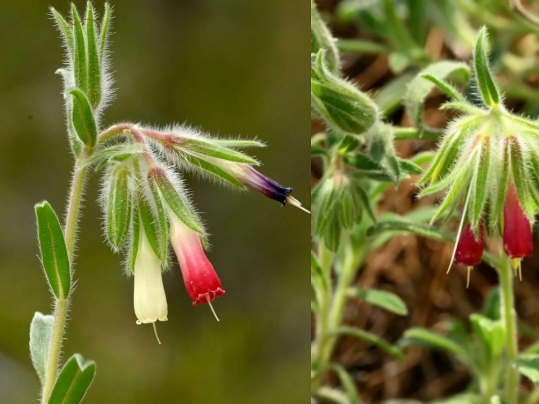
(231, 67)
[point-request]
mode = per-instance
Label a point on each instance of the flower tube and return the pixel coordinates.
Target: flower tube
(149, 298)
(201, 280)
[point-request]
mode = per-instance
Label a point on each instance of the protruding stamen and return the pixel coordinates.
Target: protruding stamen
(516, 263)
(294, 202)
(211, 307)
(155, 331)
(468, 280)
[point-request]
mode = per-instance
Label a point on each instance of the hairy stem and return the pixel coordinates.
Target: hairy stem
(512, 378)
(61, 305)
(60, 313)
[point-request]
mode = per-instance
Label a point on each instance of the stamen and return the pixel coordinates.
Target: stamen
(468, 280)
(294, 202)
(155, 331)
(211, 307)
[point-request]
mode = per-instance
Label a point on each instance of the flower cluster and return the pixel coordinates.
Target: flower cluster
(145, 203)
(488, 162)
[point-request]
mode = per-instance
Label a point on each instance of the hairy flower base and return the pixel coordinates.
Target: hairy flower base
(201, 280)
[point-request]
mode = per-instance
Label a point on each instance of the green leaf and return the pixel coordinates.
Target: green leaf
(483, 76)
(66, 31)
(316, 272)
(480, 183)
(120, 204)
(444, 86)
(528, 365)
(373, 339)
(118, 152)
(503, 182)
(422, 230)
(491, 308)
(79, 56)
(410, 167)
(162, 221)
(94, 68)
(347, 383)
(321, 39)
(205, 148)
(73, 381)
(53, 250)
(330, 395)
(134, 234)
(238, 143)
(83, 118)
(178, 204)
(519, 168)
(105, 23)
(361, 162)
(491, 334)
(214, 171)
(40, 343)
(421, 337)
(420, 87)
(386, 300)
(151, 225)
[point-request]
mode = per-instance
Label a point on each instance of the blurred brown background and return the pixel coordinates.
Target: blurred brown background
(231, 67)
(412, 267)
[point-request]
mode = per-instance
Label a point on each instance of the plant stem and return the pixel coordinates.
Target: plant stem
(73, 209)
(60, 313)
(509, 318)
(61, 305)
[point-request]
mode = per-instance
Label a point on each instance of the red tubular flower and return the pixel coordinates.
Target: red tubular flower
(469, 249)
(517, 232)
(200, 279)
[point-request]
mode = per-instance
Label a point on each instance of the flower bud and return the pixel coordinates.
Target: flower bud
(517, 232)
(469, 248)
(247, 175)
(150, 299)
(340, 103)
(201, 281)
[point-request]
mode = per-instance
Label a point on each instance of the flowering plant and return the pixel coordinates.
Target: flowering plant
(146, 205)
(485, 172)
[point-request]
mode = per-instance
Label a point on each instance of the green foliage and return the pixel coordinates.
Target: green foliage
(40, 343)
(53, 250)
(73, 381)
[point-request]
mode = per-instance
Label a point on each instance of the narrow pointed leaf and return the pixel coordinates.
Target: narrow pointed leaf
(209, 149)
(79, 56)
(105, 24)
(214, 171)
(330, 395)
(239, 143)
(420, 87)
(422, 230)
(483, 76)
(83, 118)
(425, 338)
(347, 383)
(162, 221)
(94, 69)
(134, 233)
(444, 86)
(73, 381)
(481, 183)
(53, 250)
(386, 300)
(520, 176)
(178, 204)
(151, 226)
(40, 343)
(373, 339)
(119, 208)
(66, 31)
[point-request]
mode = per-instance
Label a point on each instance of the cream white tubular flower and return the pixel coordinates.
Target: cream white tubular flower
(150, 299)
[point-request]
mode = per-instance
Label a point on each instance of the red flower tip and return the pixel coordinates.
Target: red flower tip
(469, 249)
(517, 232)
(201, 280)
